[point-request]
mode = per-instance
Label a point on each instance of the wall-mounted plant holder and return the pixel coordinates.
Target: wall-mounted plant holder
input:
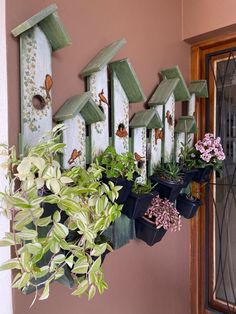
(97, 82)
(197, 89)
(143, 120)
(40, 35)
(185, 127)
(76, 113)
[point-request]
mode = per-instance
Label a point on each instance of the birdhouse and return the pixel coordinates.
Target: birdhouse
(40, 35)
(125, 89)
(76, 113)
(185, 126)
(143, 120)
(96, 75)
(197, 89)
(162, 140)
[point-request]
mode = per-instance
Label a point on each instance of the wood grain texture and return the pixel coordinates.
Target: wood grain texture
(128, 80)
(181, 92)
(103, 57)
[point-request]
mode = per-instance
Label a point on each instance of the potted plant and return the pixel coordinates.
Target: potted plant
(121, 169)
(187, 205)
(169, 179)
(139, 200)
(47, 247)
(206, 155)
(160, 217)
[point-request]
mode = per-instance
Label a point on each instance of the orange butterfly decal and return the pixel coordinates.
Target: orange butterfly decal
(74, 155)
(169, 117)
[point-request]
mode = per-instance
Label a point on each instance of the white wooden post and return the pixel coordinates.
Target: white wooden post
(36, 63)
(99, 131)
(191, 112)
(120, 116)
(169, 124)
(139, 138)
(5, 276)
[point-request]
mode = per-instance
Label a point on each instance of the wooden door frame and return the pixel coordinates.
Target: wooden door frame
(197, 241)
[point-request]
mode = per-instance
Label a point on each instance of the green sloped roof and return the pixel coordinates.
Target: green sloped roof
(186, 124)
(146, 118)
(181, 91)
(83, 104)
(199, 88)
(103, 58)
(163, 92)
(51, 25)
(128, 79)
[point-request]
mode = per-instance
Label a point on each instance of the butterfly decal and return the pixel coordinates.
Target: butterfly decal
(169, 118)
(159, 135)
(121, 131)
(74, 155)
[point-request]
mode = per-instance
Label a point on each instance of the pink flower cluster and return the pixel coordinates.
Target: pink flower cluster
(210, 148)
(164, 214)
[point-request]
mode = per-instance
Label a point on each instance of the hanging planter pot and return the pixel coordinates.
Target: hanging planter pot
(146, 230)
(126, 188)
(188, 176)
(137, 204)
(187, 206)
(203, 174)
(167, 189)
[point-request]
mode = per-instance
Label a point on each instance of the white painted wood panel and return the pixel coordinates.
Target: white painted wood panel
(139, 147)
(99, 131)
(169, 112)
(75, 137)
(120, 112)
(180, 138)
(35, 65)
(191, 112)
(5, 276)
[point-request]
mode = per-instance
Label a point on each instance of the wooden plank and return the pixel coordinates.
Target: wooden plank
(103, 58)
(139, 139)
(120, 116)
(163, 92)
(146, 118)
(99, 132)
(199, 88)
(74, 136)
(180, 138)
(191, 112)
(181, 92)
(36, 103)
(169, 112)
(156, 144)
(128, 80)
(34, 20)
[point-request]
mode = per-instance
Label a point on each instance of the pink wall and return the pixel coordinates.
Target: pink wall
(141, 279)
(205, 16)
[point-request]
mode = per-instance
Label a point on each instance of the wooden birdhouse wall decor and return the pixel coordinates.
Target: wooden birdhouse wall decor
(197, 89)
(97, 83)
(143, 120)
(185, 127)
(125, 89)
(39, 36)
(76, 113)
(162, 140)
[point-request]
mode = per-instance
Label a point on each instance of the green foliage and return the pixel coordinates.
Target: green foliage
(168, 171)
(186, 156)
(117, 165)
(76, 243)
(140, 189)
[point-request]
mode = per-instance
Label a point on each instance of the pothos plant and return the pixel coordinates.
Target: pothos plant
(47, 247)
(117, 165)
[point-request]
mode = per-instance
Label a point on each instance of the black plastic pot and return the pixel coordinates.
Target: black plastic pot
(203, 174)
(167, 189)
(136, 204)
(188, 176)
(147, 231)
(186, 206)
(126, 188)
